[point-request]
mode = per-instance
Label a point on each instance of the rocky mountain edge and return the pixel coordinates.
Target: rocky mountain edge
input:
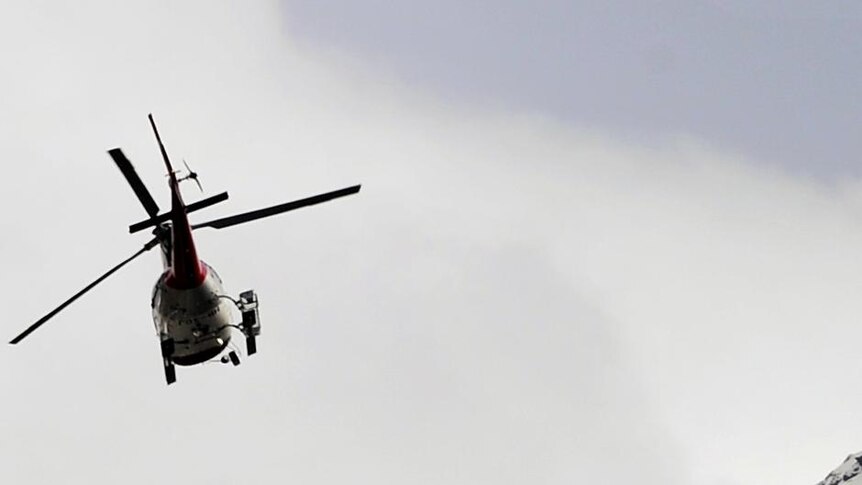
(848, 473)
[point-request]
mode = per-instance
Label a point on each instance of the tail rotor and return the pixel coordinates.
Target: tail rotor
(191, 175)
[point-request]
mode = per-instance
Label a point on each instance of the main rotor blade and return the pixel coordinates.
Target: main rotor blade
(150, 245)
(135, 181)
(277, 209)
(154, 221)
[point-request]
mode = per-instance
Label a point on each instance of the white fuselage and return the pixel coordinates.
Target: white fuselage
(197, 319)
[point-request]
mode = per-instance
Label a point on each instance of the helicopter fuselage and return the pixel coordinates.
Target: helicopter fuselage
(197, 320)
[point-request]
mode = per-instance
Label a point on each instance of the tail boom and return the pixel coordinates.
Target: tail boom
(186, 271)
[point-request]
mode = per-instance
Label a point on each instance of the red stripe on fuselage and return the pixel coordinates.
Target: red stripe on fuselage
(186, 269)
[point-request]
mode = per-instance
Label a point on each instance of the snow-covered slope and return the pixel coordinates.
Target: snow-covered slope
(849, 473)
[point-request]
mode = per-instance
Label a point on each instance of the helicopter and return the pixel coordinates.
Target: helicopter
(191, 311)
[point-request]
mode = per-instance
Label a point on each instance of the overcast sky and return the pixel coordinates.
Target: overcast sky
(776, 81)
(542, 281)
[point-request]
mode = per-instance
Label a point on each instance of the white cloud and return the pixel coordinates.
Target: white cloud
(509, 299)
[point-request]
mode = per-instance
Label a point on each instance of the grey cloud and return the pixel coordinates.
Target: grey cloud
(771, 81)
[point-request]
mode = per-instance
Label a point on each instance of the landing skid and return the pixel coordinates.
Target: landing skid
(167, 352)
